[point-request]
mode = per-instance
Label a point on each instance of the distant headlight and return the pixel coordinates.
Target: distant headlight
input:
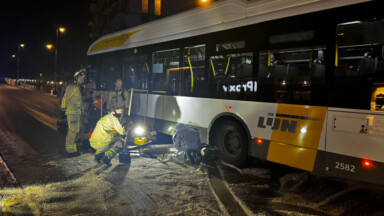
(139, 131)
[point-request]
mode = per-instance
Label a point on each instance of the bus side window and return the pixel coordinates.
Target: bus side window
(136, 72)
(358, 64)
(230, 75)
(164, 65)
(193, 77)
(285, 76)
(111, 68)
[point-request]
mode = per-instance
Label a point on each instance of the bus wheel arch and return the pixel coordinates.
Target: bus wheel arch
(230, 135)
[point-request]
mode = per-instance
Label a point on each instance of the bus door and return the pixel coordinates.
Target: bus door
(135, 76)
(355, 131)
(136, 72)
(174, 80)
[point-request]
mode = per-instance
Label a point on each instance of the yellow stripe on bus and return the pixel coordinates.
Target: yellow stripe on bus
(161, 92)
(113, 41)
(295, 141)
(302, 158)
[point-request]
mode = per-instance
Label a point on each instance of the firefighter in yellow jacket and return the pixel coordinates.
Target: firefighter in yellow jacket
(72, 104)
(104, 138)
(118, 97)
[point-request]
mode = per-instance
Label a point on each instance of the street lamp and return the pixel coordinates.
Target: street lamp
(204, 2)
(18, 60)
(61, 30)
(49, 46)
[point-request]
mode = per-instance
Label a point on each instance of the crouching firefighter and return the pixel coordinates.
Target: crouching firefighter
(105, 138)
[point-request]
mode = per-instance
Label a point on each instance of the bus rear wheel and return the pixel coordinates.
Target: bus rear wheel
(231, 141)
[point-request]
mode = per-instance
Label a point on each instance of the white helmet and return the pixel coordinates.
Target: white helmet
(79, 73)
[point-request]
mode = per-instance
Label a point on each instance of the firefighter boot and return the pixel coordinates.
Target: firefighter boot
(105, 160)
(124, 156)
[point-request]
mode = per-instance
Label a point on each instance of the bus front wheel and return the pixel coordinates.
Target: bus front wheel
(231, 141)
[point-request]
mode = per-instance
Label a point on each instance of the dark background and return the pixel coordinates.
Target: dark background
(34, 23)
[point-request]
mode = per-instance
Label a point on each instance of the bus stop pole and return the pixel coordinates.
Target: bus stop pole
(130, 103)
(146, 108)
(101, 106)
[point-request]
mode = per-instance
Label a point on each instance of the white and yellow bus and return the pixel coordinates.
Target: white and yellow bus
(296, 82)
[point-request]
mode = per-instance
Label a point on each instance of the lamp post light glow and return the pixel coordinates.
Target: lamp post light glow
(18, 60)
(204, 2)
(49, 46)
(13, 56)
(61, 30)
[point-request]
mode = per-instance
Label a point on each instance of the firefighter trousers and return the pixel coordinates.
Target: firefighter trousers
(73, 133)
(110, 149)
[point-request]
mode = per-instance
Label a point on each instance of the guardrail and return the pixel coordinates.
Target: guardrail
(43, 88)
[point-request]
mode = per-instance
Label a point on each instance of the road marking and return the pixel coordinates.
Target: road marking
(10, 175)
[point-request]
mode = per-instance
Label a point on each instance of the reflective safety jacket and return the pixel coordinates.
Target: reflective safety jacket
(72, 100)
(105, 129)
(117, 98)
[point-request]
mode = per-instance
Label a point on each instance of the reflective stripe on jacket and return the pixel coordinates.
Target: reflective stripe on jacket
(72, 100)
(106, 128)
(118, 98)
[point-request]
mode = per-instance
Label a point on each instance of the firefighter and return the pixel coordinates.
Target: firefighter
(87, 102)
(117, 97)
(71, 104)
(104, 138)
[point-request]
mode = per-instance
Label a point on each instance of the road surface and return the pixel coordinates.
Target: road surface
(49, 183)
(28, 133)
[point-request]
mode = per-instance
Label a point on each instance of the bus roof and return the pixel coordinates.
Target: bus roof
(221, 15)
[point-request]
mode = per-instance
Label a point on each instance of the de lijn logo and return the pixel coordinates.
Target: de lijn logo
(275, 123)
(250, 86)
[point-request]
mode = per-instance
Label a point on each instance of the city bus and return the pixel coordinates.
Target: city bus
(295, 82)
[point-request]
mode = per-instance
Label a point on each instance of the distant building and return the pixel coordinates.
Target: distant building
(114, 15)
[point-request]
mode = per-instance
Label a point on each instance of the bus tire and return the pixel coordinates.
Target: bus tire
(230, 139)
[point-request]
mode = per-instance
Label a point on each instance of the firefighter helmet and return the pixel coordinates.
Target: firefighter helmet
(79, 73)
(119, 110)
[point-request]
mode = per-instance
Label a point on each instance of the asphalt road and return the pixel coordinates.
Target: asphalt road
(34, 151)
(53, 184)
(28, 134)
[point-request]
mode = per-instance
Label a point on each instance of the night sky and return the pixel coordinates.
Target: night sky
(34, 23)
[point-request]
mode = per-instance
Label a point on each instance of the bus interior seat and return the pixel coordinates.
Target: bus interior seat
(279, 70)
(263, 71)
(339, 71)
(318, 68)
(379, 64)
(292, 71)
(246, 71)
(367, 64)
(352, 71)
